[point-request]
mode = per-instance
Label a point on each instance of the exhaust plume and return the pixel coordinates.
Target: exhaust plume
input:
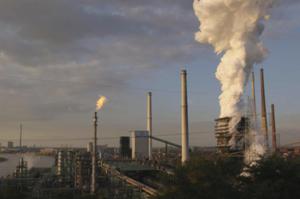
(100, 102)
(233, 28)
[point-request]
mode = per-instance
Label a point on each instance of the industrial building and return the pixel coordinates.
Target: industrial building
(139, 145)
(231, 142)
(10, 144)
(65, 166)
(125, 150)
(21, 169)
(83, 170)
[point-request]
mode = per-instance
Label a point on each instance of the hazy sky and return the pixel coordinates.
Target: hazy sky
(58, 56)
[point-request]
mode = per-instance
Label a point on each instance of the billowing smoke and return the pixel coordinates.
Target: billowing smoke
(233, 28)
(100, 102)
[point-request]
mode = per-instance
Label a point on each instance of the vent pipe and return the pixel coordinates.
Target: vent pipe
(94, 158)
(274, 141)
(264, 124)
(184, 119)
(149, 122)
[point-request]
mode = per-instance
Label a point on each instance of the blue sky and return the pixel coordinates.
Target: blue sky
(54, 64)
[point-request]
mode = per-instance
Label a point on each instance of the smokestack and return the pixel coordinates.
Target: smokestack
(184, 119)
(149, 122)
(21, 131)
(274, 141)
(94, 158)
(264, 125)
(254, 98)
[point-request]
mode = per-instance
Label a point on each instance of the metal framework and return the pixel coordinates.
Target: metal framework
(231, 142)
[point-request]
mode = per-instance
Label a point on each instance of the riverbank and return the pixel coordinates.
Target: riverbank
(3, 159)
(8, 167)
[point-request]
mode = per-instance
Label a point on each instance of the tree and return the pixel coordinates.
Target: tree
(7, 192)
(204, 178)
(273, 177)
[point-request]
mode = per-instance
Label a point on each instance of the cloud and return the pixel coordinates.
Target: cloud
(58, 31)
(56, 55)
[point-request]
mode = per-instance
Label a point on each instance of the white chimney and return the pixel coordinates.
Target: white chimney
(184, 119)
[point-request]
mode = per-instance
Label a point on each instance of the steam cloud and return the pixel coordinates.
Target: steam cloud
(100, 102)
(233, 28)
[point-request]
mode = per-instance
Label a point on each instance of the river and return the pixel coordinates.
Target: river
(9, 166)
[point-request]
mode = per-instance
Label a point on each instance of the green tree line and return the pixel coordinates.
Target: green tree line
(272, 177)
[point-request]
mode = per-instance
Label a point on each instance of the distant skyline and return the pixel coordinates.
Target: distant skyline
(57, 57)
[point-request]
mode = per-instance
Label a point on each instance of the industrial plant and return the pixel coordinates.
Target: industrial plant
(131, 170)
(113, 150)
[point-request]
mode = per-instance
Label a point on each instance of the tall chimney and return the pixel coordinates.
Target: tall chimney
(254, 98)
(184, 119)
(274, 141)
(94, 158)
(21, 132)
(149, 122)
(264, 125)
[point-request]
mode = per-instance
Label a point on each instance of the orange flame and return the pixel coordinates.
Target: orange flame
(100, 102)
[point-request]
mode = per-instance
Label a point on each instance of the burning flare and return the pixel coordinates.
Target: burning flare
(101, 101)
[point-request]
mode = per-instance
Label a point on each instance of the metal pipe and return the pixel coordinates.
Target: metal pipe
(149, 122)
(166, 142)
(254, 98)
(94, 158)
(274, 141)
(184, 119)
(264, 125)
(21, 132)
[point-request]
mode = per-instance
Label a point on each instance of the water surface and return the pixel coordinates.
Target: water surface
(9, 166)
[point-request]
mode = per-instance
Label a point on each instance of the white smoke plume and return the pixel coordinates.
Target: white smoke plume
(233, 28)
